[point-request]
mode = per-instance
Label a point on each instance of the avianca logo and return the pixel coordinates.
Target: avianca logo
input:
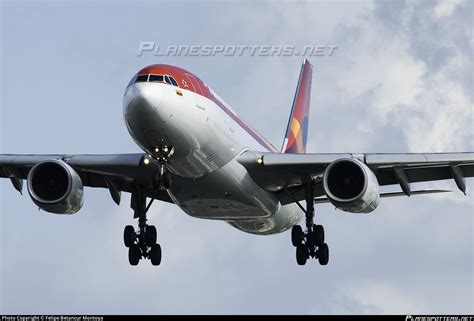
(298, 136)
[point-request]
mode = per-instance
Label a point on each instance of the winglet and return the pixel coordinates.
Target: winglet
(297, 128)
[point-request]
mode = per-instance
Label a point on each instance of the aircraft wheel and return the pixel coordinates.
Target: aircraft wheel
(301, 254)
(297, 235)
(134, 254)
(129, 236)
(323, 254)
(155, 254)
(150, 235)
(318, 234)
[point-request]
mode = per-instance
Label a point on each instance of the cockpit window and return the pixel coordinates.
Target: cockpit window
(142, 78)
(156, 78)
(173, 82)
(132, 81)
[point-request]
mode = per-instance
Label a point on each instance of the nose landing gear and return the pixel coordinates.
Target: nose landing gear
(142, 244)
(161, 154)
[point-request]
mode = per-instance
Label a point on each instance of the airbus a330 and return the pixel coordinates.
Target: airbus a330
(199, 154)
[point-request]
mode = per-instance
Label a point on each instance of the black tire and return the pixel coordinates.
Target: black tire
(301, 254)
(323, 254)
(134, 254)
(296, 235)
(318, 234)
(155, 254)
(129, 236)
(150, 235)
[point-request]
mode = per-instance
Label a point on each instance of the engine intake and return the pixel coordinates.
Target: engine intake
(55, 187)
(351, 186)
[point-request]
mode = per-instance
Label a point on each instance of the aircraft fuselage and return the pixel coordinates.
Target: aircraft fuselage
(206, 136)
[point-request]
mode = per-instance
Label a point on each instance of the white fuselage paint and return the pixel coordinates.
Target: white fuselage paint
(208, 182)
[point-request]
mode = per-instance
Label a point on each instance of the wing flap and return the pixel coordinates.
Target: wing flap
(324, 199)
(386, 176)
(414, 159)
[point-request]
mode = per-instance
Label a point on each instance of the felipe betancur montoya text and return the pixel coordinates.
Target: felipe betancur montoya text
(51, 318)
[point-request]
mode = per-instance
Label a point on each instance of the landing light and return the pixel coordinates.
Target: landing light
(259, 161)
(146, 161)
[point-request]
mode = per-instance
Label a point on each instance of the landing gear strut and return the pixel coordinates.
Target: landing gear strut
(309, 244)
(163, 178)
(142, 243)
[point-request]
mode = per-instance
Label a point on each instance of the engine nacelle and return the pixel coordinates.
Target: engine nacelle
(55, 187)
(351, 186)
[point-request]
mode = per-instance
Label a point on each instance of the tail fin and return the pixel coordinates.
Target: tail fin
(297, 129)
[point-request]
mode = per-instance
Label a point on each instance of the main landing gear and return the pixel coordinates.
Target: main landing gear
(309, 244)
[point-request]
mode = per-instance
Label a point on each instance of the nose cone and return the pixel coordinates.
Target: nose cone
(141, 107)
(141, 98)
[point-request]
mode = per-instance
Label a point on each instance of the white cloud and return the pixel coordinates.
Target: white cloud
(440, 119)
(445, 8)
(429, 105)
(379, 297)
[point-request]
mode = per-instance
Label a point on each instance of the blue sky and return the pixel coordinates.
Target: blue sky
(400, 81)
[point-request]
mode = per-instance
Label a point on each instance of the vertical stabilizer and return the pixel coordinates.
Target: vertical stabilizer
(297, 129)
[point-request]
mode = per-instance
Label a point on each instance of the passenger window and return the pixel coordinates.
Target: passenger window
(156, 78)
(173, 82)
(142, 78)
(167, 80)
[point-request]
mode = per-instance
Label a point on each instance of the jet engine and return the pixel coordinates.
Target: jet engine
(55, 187)
(351, 186)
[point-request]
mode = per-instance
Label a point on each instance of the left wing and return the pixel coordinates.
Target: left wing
(285, 174)
(116, 172)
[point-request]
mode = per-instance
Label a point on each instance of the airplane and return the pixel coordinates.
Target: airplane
(199, 154)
